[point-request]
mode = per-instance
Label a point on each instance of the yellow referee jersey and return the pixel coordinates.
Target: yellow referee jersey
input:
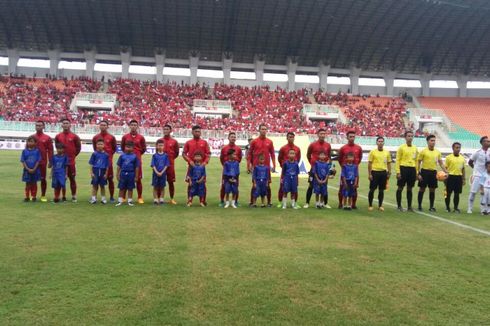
(429, 158)
(379, 159)
(406, 156)
(455, 164)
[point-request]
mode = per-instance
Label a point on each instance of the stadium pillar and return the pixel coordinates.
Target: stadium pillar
(425, 82)
(389, 78)
(160, 63)
(54, 60)
(354, 80)
(462, 85)
(90, 61)
(125, 62)
(259, 70)
(193, 65)
(291, 65)
(227, 62)
(323, 76)
(13, 55)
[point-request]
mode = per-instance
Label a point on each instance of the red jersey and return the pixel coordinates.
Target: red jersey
(170, 147)
(283, 155)
(354, 148)
(72, 143)
(316, 148)
(224, 153)
(196, 145)
(45, 146)
(138, 141)
(110, 143)
(263, 146)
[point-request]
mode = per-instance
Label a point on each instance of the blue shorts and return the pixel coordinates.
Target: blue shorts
(126, 181)
(197, 189)
(231, 187)
(99, 177)
(159, 182)
(290, 185)
(31, 177)
(58, 181)
(320, 189)
(260, 188)
(349, 190)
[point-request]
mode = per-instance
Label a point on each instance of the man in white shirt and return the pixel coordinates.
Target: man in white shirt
(478, 161)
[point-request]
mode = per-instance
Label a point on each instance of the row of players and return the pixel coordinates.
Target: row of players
(410, 166)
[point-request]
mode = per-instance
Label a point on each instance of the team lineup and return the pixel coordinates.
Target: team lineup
(411, 165)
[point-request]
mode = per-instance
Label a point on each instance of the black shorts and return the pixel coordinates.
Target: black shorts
(429, 178)
(408, 175)
(454, 183)
(311, 177)
(379, 180)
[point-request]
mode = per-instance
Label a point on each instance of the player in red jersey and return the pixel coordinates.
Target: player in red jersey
(110, 147)
(265, 146)
(73, 146)
(355, 149)
(224, 157)
(313, 153)
(282, 157)
(171, 148)
(196, 144)
(139, 149)
(45, 146)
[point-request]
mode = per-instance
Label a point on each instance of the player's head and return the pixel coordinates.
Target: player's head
(103, 125)
(290, 137)
(292, 155)
(456, 148)
(60, 148)
(350, 157)
(351, 137)
(380, 141)
(261, 158)
(322, 156)
(198, 157)
(262, 130)
(133, 126)
(99, 145)
(232, 137)
(39, 126)
(321, 133)
(408, 137)
(231, 154)
(65, 124)
(160, 145)
(431, 141)
(129, 147)
(31, 142)
(196, 131)
(484, 142)
(487, 165)
(167, 129)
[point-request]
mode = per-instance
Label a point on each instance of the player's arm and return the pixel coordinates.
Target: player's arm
(143, 145)
(176, 149)
(50, 152)
(250, 156)
(388, 165)
(207, 155)
(464, 175)
(280, 158)
(165, 167)
(441, 164)
(419, 161)
(123, 144)
(78, 146)
(272, 153)
(398, 158)
(472, 160)
(113, 144)
(308, 153)
(222, 156)
(370, 165)
(94, 143)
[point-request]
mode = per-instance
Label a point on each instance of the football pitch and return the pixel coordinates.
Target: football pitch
(77, 263)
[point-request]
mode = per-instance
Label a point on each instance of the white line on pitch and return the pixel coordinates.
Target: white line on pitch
(442, 219)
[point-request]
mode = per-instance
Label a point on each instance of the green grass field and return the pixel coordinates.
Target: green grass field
(93, 264)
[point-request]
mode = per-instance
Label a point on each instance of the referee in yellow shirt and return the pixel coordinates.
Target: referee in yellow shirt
(379, 171)
(406, 170)
(456, 179)
(429, 157)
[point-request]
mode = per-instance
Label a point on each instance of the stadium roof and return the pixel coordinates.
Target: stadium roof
(408, 36)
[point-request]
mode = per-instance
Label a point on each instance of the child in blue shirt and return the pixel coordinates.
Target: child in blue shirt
(30, 159)
(321, 173)
(350, 181)
(99, 164)
(231, 171)
(197, 180)
(59, 163)
(159, 165)
(127, 172)
(261, 178)
(289, 179)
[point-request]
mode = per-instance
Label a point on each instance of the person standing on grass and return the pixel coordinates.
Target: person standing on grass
(261, 179)
(313, 154)
(171, 148)
(350, 148)
(379, 172)
(99, 164)
(289, 179)
(456, 179)
(139, 148)
(191, 147)
(406, 170)
(321, 172)
(477, 162)
(427, 162)
(224, 156)
(283, 157)
(59, 166)
(73, 146)
(128, 167)
(265, 146)
(350, 181)
(30, 159)
(159, 164)
(231, 173)
(196, 178)
(110, 147)
(44, 144)
(485, 190)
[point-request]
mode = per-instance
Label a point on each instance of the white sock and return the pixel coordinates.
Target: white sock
(130, 200)
(103, 198)
(293, 202)
(471, 200)
(284, 201)
(233, 202)
(94, 198)
(120, 200)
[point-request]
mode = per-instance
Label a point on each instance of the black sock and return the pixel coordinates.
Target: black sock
(399, 197)
(448, 200)
(456, 200)
(309, 192)
(370, 197)
(381, 196)
(325, 199)
(432, 198)
(420, 198)
(409, 198)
